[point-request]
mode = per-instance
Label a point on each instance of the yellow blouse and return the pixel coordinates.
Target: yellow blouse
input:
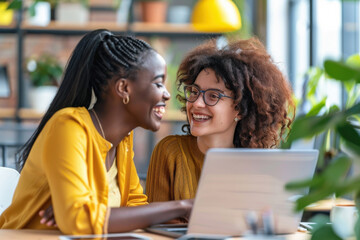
(66, 168)
(174, 169)
(114, 194)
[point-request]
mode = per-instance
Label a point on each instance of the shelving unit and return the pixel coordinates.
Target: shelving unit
(8, 29)
(137, 28)
(21, 116)
(22, 29)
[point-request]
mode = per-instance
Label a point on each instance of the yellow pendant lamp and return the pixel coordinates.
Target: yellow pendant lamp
(216, 16)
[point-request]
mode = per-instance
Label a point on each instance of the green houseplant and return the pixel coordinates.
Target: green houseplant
(342, 124)
(44, 73)
(65, 11)
(44, 70)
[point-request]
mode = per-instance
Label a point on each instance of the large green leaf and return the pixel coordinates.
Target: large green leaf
(354, 61)
(354, 110)
(317, 108)
(323, 184)
(350, 136)
(314, 74)
(313, 197)
(341, 71)
(337, 169)
(312, 182)
(309, 126)
(357, 227)
(325, 232)
(15, 4)
(348, 186)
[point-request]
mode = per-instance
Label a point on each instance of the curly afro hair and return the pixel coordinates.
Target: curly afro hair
(263, 96)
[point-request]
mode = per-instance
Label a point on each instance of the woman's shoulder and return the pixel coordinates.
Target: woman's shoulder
(70, 117)
(79, 113)
(175, 145)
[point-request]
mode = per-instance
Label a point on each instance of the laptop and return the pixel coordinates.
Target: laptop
(236, 183)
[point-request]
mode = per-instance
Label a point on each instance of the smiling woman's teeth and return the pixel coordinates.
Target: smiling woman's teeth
(200, 117)
(160, 110)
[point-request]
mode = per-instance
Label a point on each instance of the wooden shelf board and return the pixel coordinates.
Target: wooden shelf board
(7, 113)
(56, 26)
(11, 28)
(28, 113)
(135, 27)
(164, 28)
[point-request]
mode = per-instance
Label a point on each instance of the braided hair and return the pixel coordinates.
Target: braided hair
(98, 57)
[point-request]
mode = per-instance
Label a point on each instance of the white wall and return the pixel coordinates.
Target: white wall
(277, 32)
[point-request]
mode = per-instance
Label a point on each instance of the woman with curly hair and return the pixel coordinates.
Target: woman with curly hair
(234, 97)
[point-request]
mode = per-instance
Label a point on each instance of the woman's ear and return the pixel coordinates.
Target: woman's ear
(122, 87)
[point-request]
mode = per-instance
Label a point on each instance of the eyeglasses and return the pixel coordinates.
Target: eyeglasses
(210, 96)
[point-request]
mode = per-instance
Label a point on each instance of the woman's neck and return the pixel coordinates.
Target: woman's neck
(114, 125)
(206, 142)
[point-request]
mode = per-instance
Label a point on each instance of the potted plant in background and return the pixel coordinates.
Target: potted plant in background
(342, 125)
(40, 11)
(44, 73)
(154, 11)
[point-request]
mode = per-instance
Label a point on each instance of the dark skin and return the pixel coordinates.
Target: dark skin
(147, 94)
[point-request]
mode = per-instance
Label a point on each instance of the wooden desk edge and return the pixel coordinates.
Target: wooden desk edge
(327, 204)
(28, 234)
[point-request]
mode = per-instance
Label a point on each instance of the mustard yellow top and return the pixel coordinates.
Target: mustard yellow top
(114, 196)
(66, 168)
(174, 169)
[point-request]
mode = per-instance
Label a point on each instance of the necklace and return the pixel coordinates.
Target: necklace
(103, 135)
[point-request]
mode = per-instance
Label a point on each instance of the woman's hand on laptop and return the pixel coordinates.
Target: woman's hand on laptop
(188, 204)
(47, 217)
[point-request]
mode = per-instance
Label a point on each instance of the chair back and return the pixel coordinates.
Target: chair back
(9, 178)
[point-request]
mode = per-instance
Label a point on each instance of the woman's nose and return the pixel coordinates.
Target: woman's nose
(166, 95)
(199, 102)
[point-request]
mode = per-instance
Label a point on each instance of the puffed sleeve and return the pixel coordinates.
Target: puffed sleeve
(76, 209)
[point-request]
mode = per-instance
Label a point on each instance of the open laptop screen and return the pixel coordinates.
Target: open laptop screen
(236, 182)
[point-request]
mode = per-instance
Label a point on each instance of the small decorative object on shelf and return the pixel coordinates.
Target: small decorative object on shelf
(154, 11)
(122, 13)
(39, 13)
(72, 11)
(44, 73)
(179, 14)
(216, 16)
(6, 15)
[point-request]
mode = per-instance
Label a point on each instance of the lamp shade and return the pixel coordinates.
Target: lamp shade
(216, 16)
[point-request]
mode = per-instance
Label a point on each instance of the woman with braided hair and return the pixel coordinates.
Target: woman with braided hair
(234, 97)
(80, 158)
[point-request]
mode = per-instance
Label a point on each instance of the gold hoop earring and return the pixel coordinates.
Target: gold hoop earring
(126, 100)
